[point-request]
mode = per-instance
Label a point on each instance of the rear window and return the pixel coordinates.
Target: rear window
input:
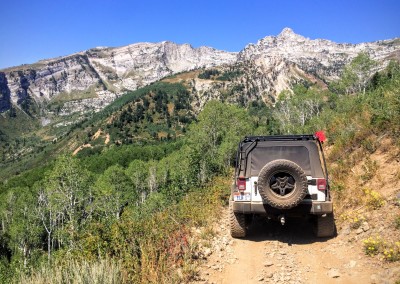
(260, 156)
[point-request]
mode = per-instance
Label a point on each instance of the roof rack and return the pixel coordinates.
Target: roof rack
(279, 138)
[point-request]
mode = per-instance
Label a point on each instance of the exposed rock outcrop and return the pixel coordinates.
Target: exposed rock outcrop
(280, 59)
(5, 95)
(88, 76)
(92, 79)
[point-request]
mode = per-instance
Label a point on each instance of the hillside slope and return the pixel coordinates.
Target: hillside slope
(144, 209)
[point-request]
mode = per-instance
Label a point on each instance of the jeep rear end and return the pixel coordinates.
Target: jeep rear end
(282, 176)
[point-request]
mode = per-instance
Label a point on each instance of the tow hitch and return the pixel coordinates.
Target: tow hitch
(282, 219)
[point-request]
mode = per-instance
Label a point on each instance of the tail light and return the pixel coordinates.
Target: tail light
(321, 184)
(241, 184)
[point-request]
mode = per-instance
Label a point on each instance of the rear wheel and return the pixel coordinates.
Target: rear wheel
(237, 223)
(282, 184)
(325, 226)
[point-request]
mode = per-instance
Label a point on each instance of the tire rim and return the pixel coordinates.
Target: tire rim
(282, 184)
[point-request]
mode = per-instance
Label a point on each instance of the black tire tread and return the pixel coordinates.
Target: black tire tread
(237, 223)
(301, 184)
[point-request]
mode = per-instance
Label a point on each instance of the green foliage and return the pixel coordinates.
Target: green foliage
(383, 98)
(124, 154)
(348, 120)
(369, 167)
(160, 111)
(112, 192)
(25, 179)
(300, 111)
(138, 171)
(372, 245)
(24, 228)
(155, 238)
(356, 75)
(389, 251)
(13, 138)
(79, 203)
(215, 137)
(156, 112)
(373, 199)
(63, 198)
(263, 118)
(6, 274)
(397, 222)
(207, 74)
(229, 75)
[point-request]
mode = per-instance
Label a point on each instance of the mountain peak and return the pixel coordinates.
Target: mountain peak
(286, 32)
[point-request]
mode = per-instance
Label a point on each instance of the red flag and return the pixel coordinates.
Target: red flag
(320, 136)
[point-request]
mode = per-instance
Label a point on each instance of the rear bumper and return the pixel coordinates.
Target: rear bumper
(312, 207)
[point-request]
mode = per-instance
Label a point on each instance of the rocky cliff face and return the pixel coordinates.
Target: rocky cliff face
(97, 76)
(280, 59)
(5, 96)
(92, 79)
(136, 65)
(276, 63)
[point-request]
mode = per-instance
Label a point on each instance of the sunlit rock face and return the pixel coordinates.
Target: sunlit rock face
(92, 79)
(288, 55)
(99, 75)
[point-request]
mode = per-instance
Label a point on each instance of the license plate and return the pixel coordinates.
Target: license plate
(242, 197)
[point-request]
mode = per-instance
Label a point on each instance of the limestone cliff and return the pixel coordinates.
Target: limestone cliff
(92, 79)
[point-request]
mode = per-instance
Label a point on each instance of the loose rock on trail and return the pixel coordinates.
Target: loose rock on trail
(273, 253)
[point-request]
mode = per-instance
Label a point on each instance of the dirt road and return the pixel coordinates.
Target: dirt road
(273, 253)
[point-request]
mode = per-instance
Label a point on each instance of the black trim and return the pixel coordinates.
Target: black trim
(314, 208)
(312, 181)
(279, 138)
(328, 191)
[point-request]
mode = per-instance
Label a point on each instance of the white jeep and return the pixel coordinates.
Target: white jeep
(280, 177)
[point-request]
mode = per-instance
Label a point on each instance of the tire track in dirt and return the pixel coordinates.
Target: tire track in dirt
(272, 253)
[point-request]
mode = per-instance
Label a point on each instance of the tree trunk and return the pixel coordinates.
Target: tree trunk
(48, 245)
(24, 249)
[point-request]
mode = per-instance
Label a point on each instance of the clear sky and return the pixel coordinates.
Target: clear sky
(33, 30)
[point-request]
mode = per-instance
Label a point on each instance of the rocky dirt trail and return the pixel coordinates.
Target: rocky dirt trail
(273, 253)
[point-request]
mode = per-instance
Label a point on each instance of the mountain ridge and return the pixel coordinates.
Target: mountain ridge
(91, 79)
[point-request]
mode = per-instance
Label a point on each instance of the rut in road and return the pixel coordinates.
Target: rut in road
(273, 253)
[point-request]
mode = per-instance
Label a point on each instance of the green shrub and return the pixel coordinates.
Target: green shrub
(207, 74)
(372, 245)
(356, 222)
(391, 252)
(397, 222)
(374, 199)
(370, 168)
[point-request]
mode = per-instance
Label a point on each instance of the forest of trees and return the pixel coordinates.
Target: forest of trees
(128, 205)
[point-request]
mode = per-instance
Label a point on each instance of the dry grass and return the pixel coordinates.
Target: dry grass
(74, 272)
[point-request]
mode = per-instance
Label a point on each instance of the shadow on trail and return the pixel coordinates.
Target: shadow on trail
(295, 231)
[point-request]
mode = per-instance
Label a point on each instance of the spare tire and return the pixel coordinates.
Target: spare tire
(282, 184)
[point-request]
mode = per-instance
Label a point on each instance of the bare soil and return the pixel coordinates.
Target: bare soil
(272, 253)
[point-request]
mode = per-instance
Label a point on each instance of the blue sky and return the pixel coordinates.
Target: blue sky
(34, 30)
